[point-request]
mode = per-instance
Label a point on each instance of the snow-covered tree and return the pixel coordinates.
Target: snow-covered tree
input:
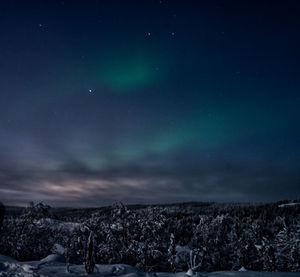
(172, 252)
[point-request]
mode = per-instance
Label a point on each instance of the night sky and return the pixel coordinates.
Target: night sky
(149, 101)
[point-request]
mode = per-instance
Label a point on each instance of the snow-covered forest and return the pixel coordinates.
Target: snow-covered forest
(194, 237)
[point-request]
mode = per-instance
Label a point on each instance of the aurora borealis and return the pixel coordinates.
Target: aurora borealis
(149, 101)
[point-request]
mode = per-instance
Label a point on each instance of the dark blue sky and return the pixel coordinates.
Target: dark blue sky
(149, 101)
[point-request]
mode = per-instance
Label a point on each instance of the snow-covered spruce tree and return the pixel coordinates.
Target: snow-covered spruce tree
(156, 236)
(67, 254)
(86, 245)
(283, 248)
(268, 255)
(246, 253)
(222, 243)
(287, 245)
(295, 257)
(172, 252)
(295, 251)
(90, 254)
(66, 243)
(26, 230)
(202, 240)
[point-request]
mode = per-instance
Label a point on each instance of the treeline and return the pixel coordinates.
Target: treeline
(161, 238)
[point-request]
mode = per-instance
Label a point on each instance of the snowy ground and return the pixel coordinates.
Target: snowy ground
(54, 265)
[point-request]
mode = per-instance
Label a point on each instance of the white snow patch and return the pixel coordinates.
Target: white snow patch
(8, 269)
(53, 258)
(288, 205)
(57, 224)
